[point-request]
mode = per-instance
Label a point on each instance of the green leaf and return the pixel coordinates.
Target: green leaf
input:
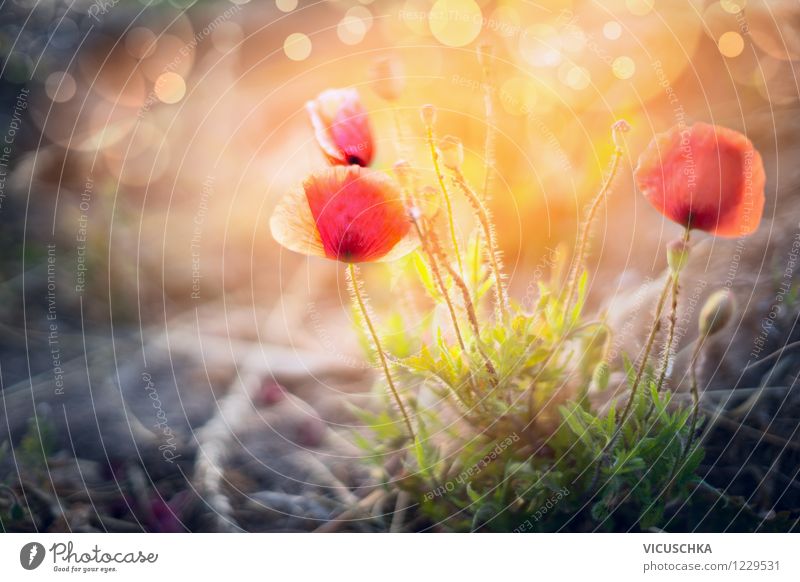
(426, 276)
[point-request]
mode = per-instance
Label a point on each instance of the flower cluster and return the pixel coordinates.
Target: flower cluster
(505, 376)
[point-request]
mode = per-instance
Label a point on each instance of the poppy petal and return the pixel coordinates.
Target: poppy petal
(292, 225)
(707, 177)
(359, 214)
(341, 127)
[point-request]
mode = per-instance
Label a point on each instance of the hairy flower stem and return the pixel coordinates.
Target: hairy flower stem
(604, 455)
(355, 285)
(580, 252)
(431, 139)
(695, 412)
(484, 218)
(473, 320)
(673, 319)
(646, 355)
(695, 395)
(484, 57)
(469, 306)
(437, 274)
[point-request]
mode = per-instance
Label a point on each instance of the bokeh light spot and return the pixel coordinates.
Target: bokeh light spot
(297, 46)
(731, 44)
(455, 22)
(733, 6)
(540, 45)
(578, 78)
(623, 67)
(170, 87)
(60, 86)
(286, 5)
(351, 30)
(612, 30)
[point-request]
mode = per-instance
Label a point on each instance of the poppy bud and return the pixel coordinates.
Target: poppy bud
(402, 169)
(451, 151)
(428, 113)
(677, 255)
(716, 312)
(620, 126)
(342, 127)
(387, 78)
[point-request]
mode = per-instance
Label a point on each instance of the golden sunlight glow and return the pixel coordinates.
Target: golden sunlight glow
(455, 22)
(640, 7)
(733, 6)
(518, 95)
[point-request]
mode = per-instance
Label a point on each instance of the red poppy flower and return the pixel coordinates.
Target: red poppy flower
(706, 177)
(346, 213)
(342, 127)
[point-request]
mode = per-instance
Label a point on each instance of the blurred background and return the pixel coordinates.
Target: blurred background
(146, 142)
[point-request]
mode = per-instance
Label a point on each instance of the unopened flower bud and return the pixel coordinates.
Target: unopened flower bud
(677, 255)
(451, 151)
(387, 78)
(621, 126)
(428, 114)
(717, 312)
(402, 169)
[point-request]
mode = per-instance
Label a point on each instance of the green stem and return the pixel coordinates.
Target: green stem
(673, 318)
(491, 241)
(440, 283)
(580, 254)
(646, 356)
(695, 396)
(355, 283)
(488, 106)
(437, 168)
